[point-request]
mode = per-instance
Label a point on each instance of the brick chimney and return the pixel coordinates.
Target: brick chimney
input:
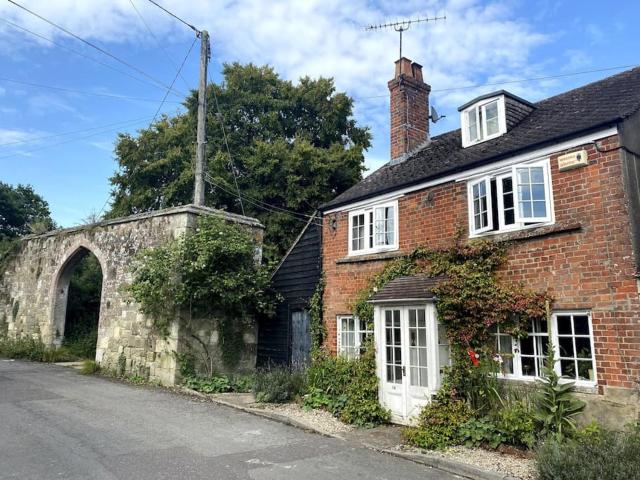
(409, 109)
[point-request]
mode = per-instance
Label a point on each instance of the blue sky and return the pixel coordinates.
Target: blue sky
(61, 142)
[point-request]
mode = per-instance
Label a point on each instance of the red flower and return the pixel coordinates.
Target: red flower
(474, 357)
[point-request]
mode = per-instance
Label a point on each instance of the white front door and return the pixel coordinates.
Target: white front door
(407, 356)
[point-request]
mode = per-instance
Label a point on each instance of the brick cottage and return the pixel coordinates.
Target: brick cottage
(558, 178)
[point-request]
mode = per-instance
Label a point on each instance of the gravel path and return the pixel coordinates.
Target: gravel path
(317, 419)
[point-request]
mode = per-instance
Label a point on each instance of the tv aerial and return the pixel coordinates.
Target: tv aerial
(435, 116)
(402, 26)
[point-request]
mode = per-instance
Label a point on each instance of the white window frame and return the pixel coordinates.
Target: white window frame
(556, 343)
(360, 327)
(369, 213)
(481, 123)
(552, 332)
(547, 217)
(520, 223)
(472, 213)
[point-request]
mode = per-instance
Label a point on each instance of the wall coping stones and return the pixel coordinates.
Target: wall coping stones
(193, 209)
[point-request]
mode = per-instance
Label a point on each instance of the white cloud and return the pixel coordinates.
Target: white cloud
(13, 136)
(477, 43)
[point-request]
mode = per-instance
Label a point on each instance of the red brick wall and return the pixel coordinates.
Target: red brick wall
(590, 267)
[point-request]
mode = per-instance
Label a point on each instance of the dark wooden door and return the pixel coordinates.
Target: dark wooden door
(300, 338)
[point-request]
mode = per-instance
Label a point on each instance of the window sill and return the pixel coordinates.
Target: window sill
(532, 232)
(371, 257)
(530, 382)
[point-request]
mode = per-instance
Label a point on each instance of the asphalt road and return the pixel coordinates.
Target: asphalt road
(56, 423)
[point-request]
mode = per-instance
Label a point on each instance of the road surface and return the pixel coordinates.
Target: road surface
(58, 424)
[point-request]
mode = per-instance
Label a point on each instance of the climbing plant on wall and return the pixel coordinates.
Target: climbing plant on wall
(212, 271)
(470, 300)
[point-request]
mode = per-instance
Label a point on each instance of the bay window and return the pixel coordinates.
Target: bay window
(373, 229)
(510, 199)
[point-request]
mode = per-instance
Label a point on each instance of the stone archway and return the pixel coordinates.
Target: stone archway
(34, 286)
(61, 289)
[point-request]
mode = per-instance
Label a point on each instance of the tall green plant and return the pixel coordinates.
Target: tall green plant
(555, 406)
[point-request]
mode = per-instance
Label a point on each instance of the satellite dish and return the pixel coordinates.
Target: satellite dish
(435, 116)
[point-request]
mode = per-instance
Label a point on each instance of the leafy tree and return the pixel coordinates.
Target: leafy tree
(292, 146)
(22, 211)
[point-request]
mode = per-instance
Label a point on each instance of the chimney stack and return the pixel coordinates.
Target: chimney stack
(409, 109)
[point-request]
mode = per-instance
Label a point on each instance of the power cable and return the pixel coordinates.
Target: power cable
(76, 52)
(521, 80)
(62, 143)
(96, 47)
(226, 142)
(82, 92)
(166, 94)
(158, 43)
(262, 205)
(176, 17)
(63, 134)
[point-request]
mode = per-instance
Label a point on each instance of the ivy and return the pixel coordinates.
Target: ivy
(470, 300)
(317, 328)
(209, 272)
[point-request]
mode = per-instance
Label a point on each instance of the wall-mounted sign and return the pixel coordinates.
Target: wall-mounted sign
(573, 160)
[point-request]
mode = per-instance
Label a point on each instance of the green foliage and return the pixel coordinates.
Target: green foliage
(348, 388)
(480, 431)
(516, 424)
(278, 384)
(439, 424)
(90, 367)
(317, 328)
(555, 405)
(83, 308)
(293, 146)
(22, 211)
(592, 454)
(211, 271)
(28, 348)
(219, 383)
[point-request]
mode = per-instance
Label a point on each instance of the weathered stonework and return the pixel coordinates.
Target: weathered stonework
(34, 287)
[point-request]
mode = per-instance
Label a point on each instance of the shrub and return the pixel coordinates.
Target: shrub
(555, 405)
(29, 348)
(516, 424)
(82, 343)
(348, 388)
(480, 431)
(278, 384)
(590, 455)
(90, 367)
(218, 383)
(439, 424)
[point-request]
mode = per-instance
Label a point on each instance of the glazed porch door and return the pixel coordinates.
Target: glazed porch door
(407, 360)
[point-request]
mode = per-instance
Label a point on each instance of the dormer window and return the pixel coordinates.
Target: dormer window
(483, 120)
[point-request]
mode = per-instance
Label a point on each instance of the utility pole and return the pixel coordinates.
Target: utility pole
(198, 190)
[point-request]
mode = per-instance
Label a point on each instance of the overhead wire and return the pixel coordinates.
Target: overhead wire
(158, 42)
(226, 142)
(520, 80)
(73, 132)
(166, 94)
(176, 17)
(98, 48)
(78, 53)
(82, 92)
(22, 153)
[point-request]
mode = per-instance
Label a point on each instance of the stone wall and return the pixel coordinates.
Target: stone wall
(34, 287)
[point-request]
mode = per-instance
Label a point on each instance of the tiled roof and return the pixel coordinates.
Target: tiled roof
(413, 287)
(596, 105)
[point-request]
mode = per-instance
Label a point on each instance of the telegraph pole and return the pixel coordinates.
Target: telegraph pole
(198, 190)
